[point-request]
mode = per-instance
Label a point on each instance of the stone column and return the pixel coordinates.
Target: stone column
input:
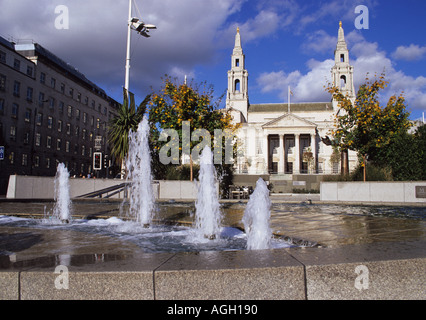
(296, 164)
(281, 154)
(265, 152)
(314, 153)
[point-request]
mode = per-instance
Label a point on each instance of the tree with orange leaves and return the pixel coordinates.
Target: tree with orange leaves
(365, 126)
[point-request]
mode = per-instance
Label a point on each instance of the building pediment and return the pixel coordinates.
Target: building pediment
(289, 120)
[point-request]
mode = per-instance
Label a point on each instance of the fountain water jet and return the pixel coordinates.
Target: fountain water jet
(62, 208)
(256, 218)
(138, 164)
(207, 208)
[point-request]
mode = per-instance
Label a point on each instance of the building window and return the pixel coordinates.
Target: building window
(68, 128)
(17, 64)
(53, 83)
(83, 134)
(98, 123)
(29, 71)
(342, 82)
(58, 144)
(77, 131)
(48, 163)
(49, 142)
(67, 146)
(30, 94)
(39, 119)
(51, 103)
(16, 88)
(2, 56)
(37, 139)
(27, 115)
(59, 125)
(71, 92)
(83, 150)
(49, 122)
(2, 82)
(12, 133)
(36, 161)
(12, 157)
(335, 168)
(237, 85)
(62, 87)
(24, 159)
(1, 106)
(41, 99)
(84, 117)
(26, 137)
(259, 147)
(42, 77)
(70, 111)
(77, 114)
(79, 97)
(15, 110)
(61, 107)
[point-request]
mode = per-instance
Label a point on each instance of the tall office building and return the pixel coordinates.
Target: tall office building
(49, 113)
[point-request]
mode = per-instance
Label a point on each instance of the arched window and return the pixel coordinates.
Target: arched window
(342, 82)
(237, 85)
(342, 58)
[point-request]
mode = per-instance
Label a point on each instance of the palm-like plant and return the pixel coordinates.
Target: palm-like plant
(128, 118)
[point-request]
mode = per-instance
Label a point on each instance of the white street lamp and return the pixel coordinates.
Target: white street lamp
(142, 29)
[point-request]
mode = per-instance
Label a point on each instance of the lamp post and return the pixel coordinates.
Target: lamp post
(142, 29)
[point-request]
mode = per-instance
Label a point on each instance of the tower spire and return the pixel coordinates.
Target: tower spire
(237, 95)
(237, 46)
(341, 42)
(342, 71)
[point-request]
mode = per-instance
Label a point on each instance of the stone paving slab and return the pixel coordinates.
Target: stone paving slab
(235, 275)
(368, 271)
(93, 277)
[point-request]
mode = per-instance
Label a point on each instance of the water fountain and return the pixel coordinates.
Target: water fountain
(207, 233)
(138, 164)
(207, 208)
(62, 207)
(256, 218)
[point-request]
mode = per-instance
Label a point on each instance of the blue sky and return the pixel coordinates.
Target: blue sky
(286, 42)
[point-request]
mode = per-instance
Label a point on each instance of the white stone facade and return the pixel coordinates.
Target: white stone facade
(282, 138)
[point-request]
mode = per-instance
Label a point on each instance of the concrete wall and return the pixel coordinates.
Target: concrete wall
(28, 187)
(387, 271)
(402, 192)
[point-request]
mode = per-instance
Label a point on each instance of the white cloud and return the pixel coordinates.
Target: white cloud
(95, 42)
(410, 53)
(307, 87)
(366, 57)
(319, 41)
(278, 82)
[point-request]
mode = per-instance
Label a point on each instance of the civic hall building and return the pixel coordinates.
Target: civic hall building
(282, 141)
(49, 113)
